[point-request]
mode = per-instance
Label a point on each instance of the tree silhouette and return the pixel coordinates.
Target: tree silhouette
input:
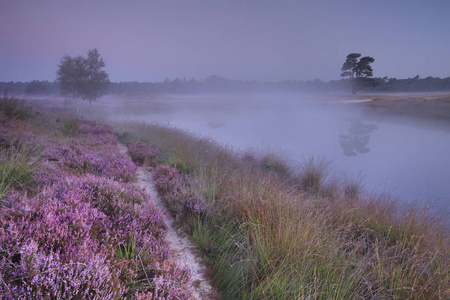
(82, 77)
(359, 71)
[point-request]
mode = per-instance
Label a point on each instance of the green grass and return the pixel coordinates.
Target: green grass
(277, 234)
(70, 125)
(17, 169)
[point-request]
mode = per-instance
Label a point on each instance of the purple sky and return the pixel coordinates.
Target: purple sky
(264, 40)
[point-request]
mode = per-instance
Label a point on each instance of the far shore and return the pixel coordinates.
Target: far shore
(426, 106)
(434, 106)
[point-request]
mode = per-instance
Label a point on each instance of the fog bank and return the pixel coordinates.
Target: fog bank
(401, 158)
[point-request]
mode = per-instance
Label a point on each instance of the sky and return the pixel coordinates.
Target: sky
(237, 39)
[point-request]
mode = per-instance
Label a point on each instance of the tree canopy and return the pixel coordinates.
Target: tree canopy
(359, 71)
(82, 77)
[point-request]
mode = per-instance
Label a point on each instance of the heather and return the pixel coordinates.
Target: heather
(144, 154)
(270, 229)
(73, 225)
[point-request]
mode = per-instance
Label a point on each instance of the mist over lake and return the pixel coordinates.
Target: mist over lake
(405, 158)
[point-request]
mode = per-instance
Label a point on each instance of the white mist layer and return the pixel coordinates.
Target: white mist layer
(407, 161)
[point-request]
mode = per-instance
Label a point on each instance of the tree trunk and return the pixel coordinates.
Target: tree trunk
(354, 86)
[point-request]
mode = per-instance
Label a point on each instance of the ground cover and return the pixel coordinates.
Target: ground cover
(73, 224)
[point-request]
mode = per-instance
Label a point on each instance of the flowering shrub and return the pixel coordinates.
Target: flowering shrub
(48, 276)
(79, 160)
(142, 153)
(168, 181)
(92, 127)
(13, 136)
(170, 185)
(51, 246)
(171, 283)
(85, 232)
(193, 204)
(75, 231)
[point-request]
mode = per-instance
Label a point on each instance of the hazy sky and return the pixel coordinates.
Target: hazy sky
(263, 40)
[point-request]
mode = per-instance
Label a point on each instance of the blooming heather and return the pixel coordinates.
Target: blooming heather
(86, 233)
(182, 200)
(143, 153)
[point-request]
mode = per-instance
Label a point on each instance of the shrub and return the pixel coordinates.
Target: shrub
(39, 275)
(183, 201)
(77, 230)
(168, 180)
(84, 232)
(13, 107)
(79, 160)
(92, 127)
(143, 153)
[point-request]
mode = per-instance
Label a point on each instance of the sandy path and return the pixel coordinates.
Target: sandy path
(184, 252)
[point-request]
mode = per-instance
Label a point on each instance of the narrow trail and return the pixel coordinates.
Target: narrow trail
(184, 252)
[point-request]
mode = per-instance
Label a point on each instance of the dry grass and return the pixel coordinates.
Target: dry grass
(266, 238)
(426, 106)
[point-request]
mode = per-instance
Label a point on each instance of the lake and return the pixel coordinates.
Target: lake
(408, 159)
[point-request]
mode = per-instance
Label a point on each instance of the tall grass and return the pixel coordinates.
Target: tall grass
(313, 173)
(17, 169)
(270, 233)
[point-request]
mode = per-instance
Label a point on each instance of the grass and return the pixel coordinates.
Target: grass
(272, 233)
(19, 153)
(17, 169)
(70, 125)
(313, 173)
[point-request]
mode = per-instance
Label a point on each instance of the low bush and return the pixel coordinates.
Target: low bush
(74, 230)
(14, 108)
(72, 224)
(79, 160)
(143, 153)
(182, 201)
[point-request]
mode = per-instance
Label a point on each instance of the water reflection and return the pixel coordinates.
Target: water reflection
(357, 139)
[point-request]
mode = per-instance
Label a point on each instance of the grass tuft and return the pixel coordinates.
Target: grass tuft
(17, 169)
(314, 171)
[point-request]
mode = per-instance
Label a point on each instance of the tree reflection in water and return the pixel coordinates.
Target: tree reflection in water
(357, 139)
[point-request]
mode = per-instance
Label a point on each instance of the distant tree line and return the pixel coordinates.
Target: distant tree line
(216, 84)
(35, 87)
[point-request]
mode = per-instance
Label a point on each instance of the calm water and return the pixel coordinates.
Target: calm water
(408, 160)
